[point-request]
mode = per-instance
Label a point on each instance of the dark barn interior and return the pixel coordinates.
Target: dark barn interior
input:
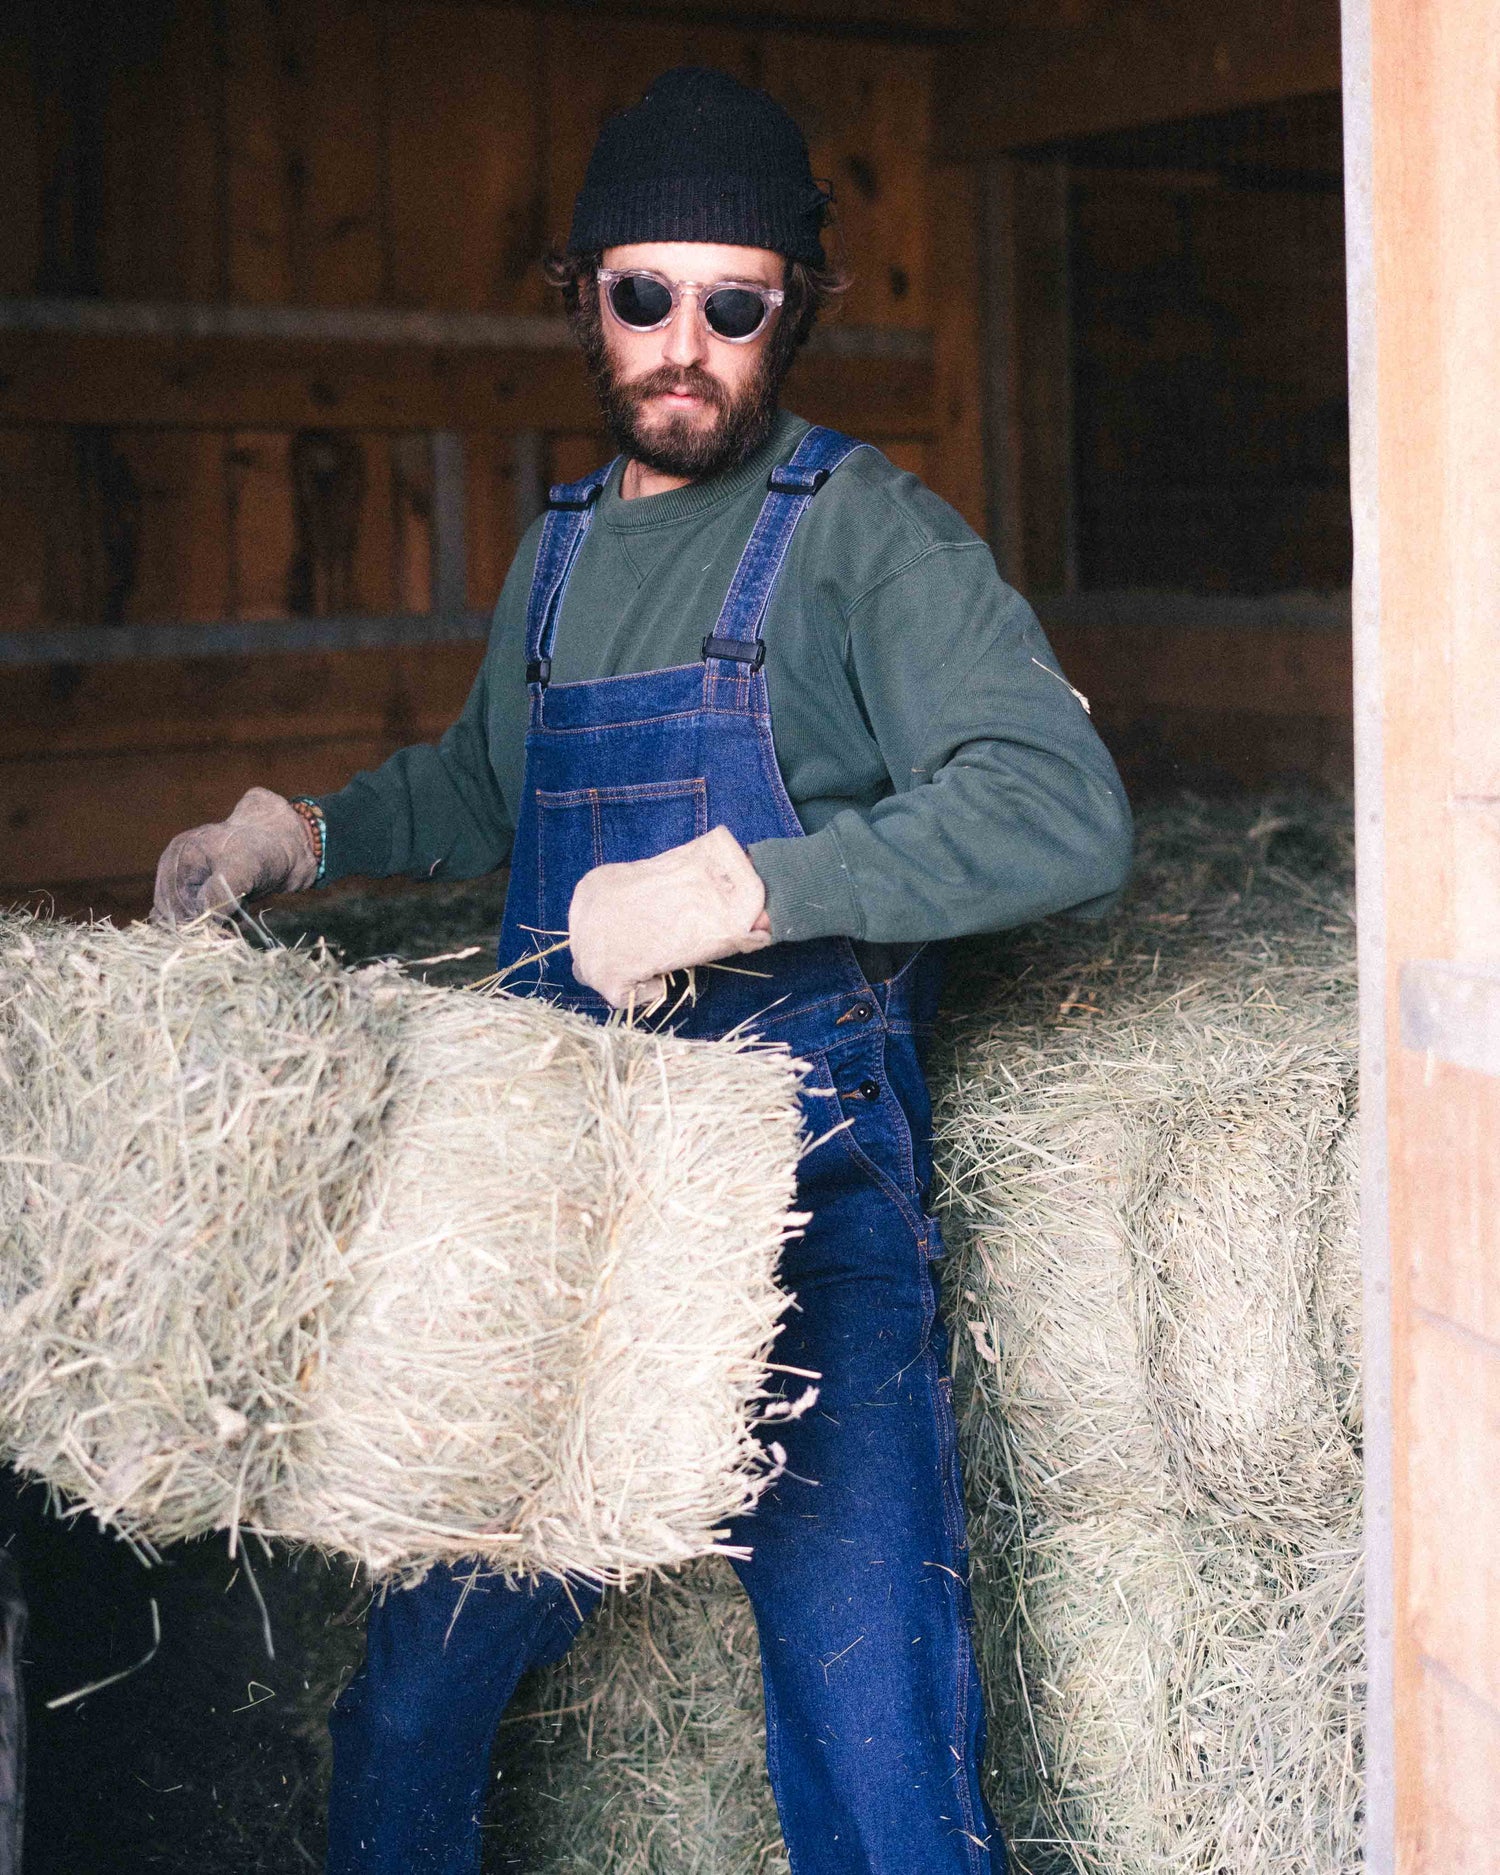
(281, 385)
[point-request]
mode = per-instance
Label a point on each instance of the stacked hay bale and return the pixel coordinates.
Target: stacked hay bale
(1150, 1167)
(400, 1272)
(1145, 1130)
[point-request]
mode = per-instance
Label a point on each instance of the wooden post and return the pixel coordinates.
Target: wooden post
(1423, 169)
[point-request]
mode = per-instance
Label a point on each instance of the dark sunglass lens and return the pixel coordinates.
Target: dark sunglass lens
(639, 300)
(734, 312)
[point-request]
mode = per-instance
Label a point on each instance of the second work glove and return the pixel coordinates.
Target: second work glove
(264, 846)
(630, 926)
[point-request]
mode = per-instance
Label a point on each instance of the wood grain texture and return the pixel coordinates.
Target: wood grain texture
(1456, 1743)
(63, 820)
(958, 472)
(1431, 410)
(65, 711)
(467, 111)
(76, 378)
(1454, 1407)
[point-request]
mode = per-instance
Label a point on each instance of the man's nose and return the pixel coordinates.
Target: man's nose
(686, 339)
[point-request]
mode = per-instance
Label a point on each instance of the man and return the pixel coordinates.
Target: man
(749, 690)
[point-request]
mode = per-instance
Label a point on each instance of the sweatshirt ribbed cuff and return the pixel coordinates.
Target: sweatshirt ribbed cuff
(355, 841)
(809, 893)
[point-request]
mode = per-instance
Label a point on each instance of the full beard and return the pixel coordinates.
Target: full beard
(681, 445)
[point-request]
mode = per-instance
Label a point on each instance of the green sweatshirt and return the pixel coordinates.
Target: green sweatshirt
(946, 776)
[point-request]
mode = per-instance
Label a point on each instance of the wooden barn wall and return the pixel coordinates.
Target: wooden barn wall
(417, 155)
(344, 153)
(385, 153)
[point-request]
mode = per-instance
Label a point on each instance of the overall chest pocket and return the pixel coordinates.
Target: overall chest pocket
(580, 828)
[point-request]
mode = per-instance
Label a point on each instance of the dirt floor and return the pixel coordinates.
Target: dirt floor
(213, 1755)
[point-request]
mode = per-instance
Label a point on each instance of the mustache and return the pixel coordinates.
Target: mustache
(691, 380)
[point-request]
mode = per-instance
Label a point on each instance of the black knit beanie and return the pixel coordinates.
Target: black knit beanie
(701, 158)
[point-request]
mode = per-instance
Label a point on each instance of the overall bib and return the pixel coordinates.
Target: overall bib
(858, 1571)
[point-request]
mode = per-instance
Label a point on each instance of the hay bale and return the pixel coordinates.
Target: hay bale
(1155, 1200)
(402, 1272)
(1150, 1157)
(1192, 1702)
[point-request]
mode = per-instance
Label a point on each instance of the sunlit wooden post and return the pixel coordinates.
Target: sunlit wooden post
(1423, 167)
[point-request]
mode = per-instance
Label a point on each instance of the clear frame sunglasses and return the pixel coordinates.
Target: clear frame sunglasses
(733, 310)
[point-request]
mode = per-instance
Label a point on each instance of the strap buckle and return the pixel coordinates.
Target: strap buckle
(736, 650)
(539, 671)
(785, 480)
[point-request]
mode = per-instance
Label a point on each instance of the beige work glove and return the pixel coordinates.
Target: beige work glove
(264, 846)
(630, 926)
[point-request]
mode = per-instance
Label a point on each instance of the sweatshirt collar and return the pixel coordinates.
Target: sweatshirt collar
(679, 504)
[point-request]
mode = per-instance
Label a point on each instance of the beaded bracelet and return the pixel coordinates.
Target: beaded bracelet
(318, 827)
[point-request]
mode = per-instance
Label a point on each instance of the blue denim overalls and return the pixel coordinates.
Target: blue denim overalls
(858, 1572)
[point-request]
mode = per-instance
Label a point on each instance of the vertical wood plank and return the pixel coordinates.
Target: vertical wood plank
(574, 456)
(1045, 334)
(257, 262)
(182, 568)
(305, 95)
(958, 457)
(1455, 1573)
(158, 233)
(375, 552)
(863, 108)
(491, 516)
(915, 458)
(264, 532)
(467, 200)
(529, 477)
(411, 523)
(1000, 367)
(333, 136)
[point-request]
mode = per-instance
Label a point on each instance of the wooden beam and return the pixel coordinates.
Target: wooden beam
(1048, 70)
(290, 384)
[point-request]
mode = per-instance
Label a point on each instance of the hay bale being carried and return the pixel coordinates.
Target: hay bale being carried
(401, 1272)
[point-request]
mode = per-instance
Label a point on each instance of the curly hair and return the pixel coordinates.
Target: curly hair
(809, 291)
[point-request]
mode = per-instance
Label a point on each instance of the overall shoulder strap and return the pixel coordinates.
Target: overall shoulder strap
(570, 509)
(791, 486)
